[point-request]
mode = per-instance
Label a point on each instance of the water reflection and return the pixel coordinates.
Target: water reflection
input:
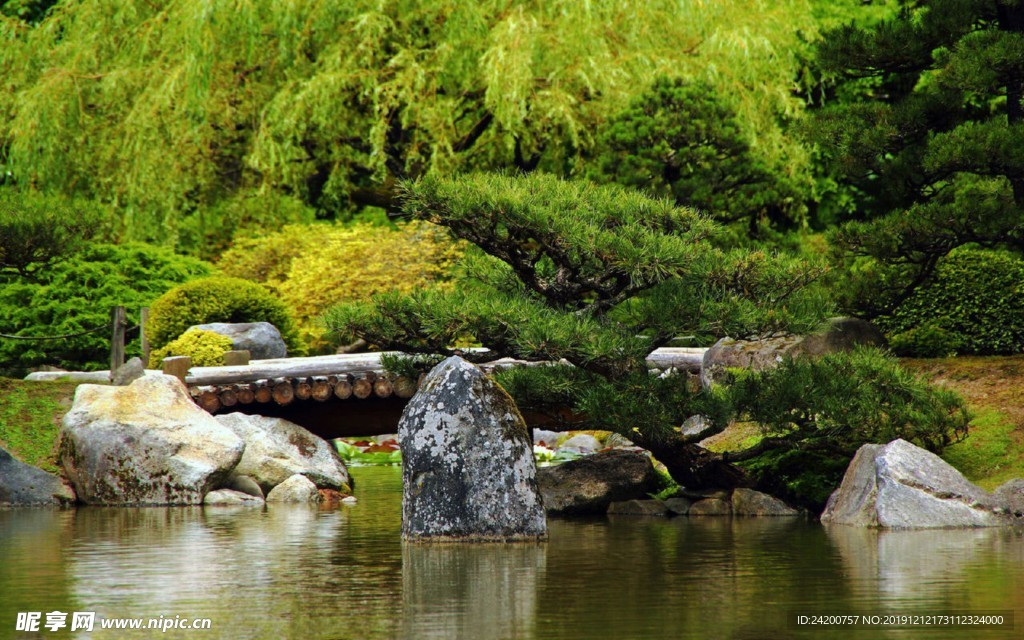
(463, 591)
(303, 573)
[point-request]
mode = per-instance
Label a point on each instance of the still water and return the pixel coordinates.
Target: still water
(304, 573)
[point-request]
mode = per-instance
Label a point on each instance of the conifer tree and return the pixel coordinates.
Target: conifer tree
(929, 135)
(594, 277)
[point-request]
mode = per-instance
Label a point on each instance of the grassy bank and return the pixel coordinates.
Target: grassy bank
(30, 415)
(994, 389)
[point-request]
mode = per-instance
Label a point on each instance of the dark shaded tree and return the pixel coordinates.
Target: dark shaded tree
(930, 138)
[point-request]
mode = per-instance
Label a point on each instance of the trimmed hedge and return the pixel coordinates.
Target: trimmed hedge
(972, 306)
(218, 299)
(76, 294)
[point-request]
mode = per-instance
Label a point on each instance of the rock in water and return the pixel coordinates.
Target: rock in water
(276, 449)
(589, 485)
(298, 489)
(146, 443)
(902, 486)
(261, 339)
(467, 462)
(23, 484)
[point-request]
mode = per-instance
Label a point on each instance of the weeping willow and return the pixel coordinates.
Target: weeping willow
(166, 109)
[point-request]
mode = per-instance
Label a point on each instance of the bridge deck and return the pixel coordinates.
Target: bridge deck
(346, 395)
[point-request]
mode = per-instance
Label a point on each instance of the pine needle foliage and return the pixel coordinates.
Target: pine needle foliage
(590, 276)
(928, 137)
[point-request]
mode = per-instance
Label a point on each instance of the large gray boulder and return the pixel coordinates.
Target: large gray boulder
(144, 444)
(261, 339)
(467, 461)
(22, 484)
(838, 334)
(590, 484)
(902, 486)
(276, 449)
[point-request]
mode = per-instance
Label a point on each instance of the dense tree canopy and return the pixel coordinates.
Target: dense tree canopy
(167, 108)
(597, 277)
(929, 132)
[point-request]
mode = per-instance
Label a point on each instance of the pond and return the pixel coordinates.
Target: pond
(303, 573)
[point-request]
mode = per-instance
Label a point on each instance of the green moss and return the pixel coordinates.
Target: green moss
(30, 418)
(991, 454)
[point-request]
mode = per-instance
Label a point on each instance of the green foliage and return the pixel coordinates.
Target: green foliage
(76, 295)
(174, 107)
(312, 267)
(31, 11)
(206, 349)
(927, 138)
(217, 299)
(36, 231)
(971, 307)
(815, 414)
(597, 276)
(682, 140)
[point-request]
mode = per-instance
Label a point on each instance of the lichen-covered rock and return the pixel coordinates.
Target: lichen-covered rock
(902, 486)
(838, 334)
(24, 485)
(261, 339)
(589, 485)
(276, 449)
(639, 508)
(467, 461)
(230, 497)
(747, 502)
(298, 489)
(144, 444)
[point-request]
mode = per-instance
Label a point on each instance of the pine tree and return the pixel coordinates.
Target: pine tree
(594, 277)
(929, 135)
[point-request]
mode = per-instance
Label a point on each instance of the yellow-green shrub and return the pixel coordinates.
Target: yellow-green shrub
(206, 349)
(313, 267)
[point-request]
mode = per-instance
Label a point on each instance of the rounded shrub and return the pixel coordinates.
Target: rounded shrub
(971, 306)
(75, 295)
(218, 299)
(206, 349)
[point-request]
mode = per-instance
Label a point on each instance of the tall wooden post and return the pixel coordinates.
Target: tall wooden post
(118, 320)
(143, 336)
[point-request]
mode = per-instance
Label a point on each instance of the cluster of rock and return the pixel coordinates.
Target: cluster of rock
(147, 443)
(620, 482)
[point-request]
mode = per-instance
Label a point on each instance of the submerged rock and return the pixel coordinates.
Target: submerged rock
(276, 449)
(232, 498)
(902, 486)
(639, 508)
(23, 485)
(144, 444)
(589, 485)
(467, 461)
